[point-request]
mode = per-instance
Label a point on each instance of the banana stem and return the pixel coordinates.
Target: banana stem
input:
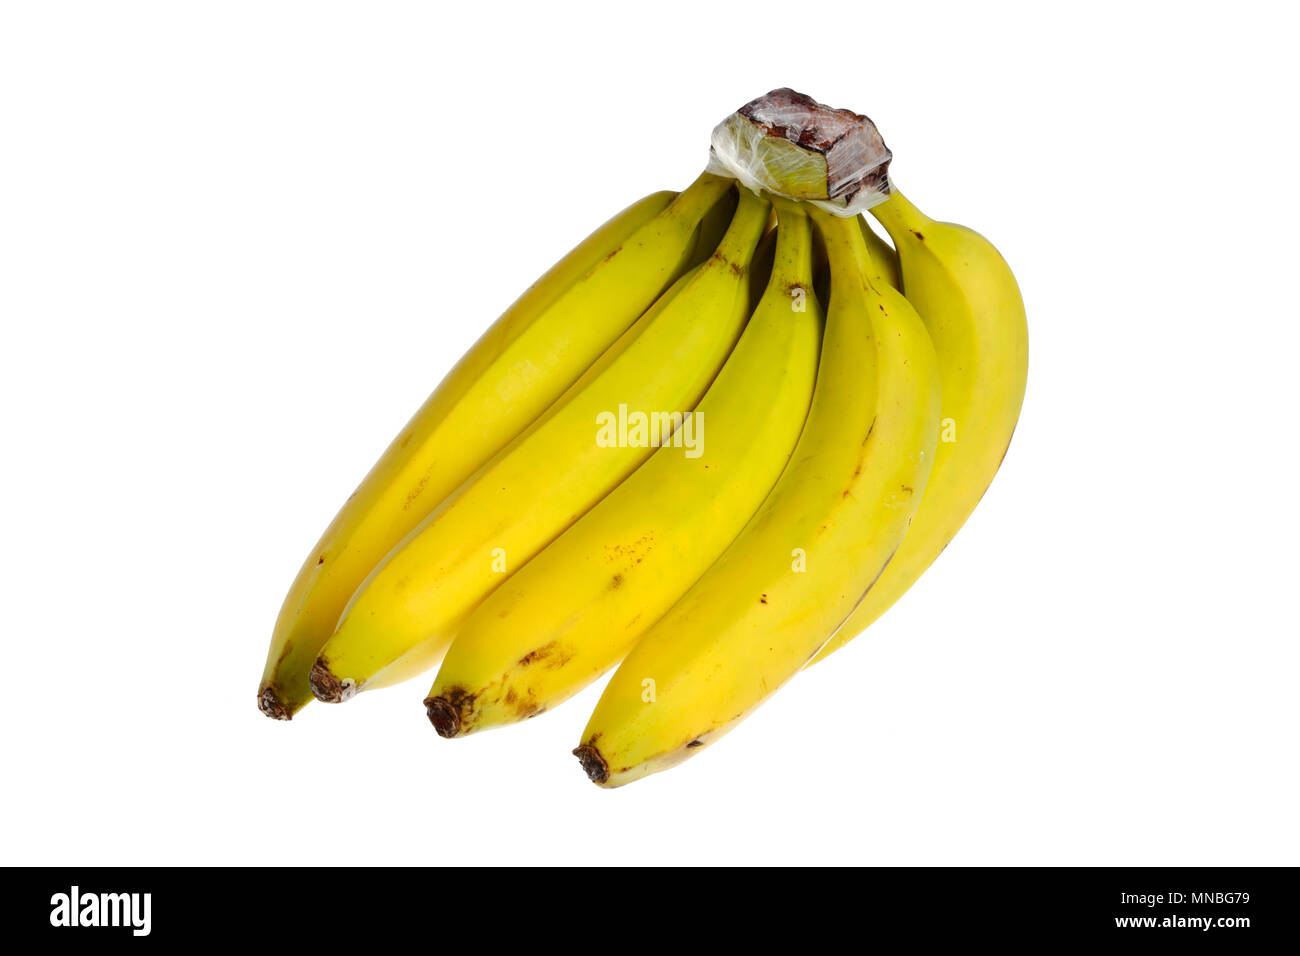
(696, 199)
(900, 217)
(793, 268)
(845, 248)
(737, 245)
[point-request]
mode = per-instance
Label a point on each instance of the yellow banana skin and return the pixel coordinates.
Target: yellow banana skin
(513, 373)
(813, 549)
(883, 258)
(970, 303)
(403, 616)
(578, 607)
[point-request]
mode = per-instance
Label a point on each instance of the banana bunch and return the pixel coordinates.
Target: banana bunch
(708, 448)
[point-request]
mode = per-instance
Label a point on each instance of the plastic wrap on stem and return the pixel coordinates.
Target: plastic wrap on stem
(788, 144)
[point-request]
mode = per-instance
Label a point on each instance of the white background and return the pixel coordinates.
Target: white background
(240, 242)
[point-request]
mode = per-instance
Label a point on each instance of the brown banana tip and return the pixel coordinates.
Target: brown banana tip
(444, 717)
(269, 703)
(328, 688)
(592, 762)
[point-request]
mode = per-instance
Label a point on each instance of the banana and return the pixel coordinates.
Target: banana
(576, 608)
(404, 614)
(529, 356)
(713, 226)
(971, 305)
(884, 260)
(815, 546)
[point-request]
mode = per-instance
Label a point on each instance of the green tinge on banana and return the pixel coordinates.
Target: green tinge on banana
(522, 364)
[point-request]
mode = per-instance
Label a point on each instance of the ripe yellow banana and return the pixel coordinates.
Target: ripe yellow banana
(971, 305)
(511, 375)
(575, 609)
(813, 549)
(403, 616)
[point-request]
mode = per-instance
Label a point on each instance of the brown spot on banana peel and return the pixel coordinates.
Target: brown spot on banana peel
(269, 703)
(537, 654)
(552, 653)
(454, 712)
(871, 428)
(736, 269)
(634, 552)
(415, 492)
(862, 460)
(529, 711)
